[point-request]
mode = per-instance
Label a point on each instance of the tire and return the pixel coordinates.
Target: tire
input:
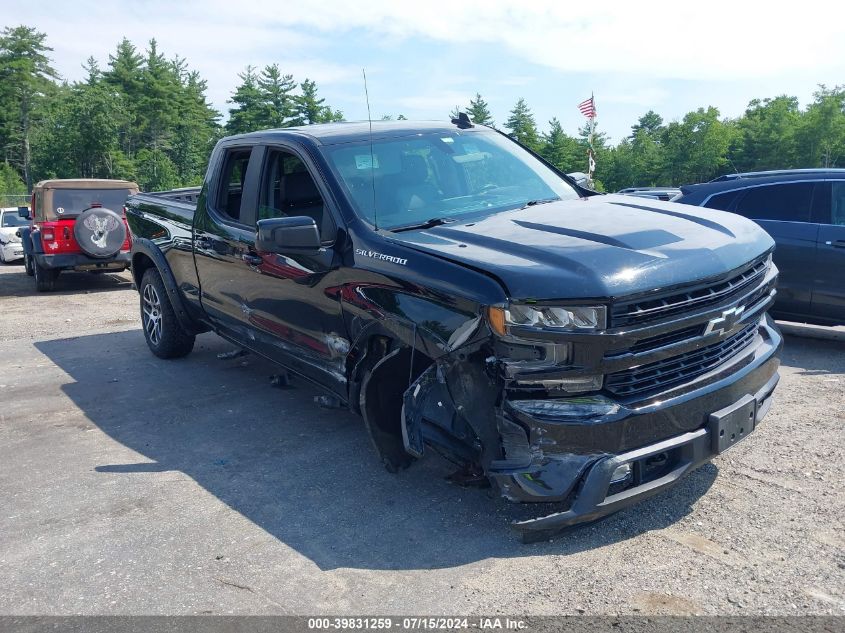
(100, 232)
(165, 336)
(45, 278)
(27, 265)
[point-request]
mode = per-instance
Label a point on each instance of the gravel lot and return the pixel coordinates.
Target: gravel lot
(134, 485)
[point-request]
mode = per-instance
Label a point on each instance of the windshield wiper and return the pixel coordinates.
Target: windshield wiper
(422, 225)
(534, 203)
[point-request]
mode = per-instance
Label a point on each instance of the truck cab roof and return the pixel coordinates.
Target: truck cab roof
(351, 131)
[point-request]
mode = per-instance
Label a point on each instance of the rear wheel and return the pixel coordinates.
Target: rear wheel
(27, 265)
(45, 278)
(165, 337)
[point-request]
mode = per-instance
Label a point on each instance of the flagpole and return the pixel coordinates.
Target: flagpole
(591, 161)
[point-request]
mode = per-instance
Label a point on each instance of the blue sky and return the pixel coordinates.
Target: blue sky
(422, 59)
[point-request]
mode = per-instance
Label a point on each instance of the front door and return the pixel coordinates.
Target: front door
(293, 300)
(829, 293)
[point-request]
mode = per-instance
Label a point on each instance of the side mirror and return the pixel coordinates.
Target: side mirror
(24, 212)
(18, 233)
(293, 235)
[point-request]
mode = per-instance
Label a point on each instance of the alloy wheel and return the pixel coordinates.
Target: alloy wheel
(152, 314)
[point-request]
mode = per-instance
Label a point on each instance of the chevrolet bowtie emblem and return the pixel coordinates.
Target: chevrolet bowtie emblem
(727, 321)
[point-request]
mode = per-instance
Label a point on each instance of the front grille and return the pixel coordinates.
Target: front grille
(661, 375)
(653, 308)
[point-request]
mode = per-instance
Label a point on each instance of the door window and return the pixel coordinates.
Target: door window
(289, 190)
(837, 207)
(787, 202)
(723, 201)
(232, 183)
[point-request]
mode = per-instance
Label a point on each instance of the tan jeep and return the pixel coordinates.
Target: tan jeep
(76, 224)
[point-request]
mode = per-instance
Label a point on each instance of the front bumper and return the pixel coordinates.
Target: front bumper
(78, 261)
(579, 479)
(12, 251)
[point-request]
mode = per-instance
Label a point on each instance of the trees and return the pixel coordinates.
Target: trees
(820, 135)
(561, 150)
(479, 111)
(145, 116)
(766, 135)
(310, 108)
(522, 126)
(269, 100)
(25, 80)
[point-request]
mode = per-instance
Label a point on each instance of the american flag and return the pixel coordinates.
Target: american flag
(588, 108)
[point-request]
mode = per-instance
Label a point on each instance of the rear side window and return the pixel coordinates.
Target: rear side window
(789, 202)
(837, 207)
(723, 201)
(232, 183)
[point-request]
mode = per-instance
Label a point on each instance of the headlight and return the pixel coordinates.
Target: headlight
(562, 318)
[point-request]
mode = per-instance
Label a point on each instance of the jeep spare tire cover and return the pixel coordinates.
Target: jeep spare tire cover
(100, 232)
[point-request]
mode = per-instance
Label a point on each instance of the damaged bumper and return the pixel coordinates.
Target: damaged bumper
(613, 469)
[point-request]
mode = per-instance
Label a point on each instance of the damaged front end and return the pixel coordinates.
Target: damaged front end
(575, 406)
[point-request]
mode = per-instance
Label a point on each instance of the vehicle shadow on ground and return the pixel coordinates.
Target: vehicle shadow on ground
(306, 475)
(14, 282)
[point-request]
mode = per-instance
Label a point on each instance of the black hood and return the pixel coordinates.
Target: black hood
(597, 247)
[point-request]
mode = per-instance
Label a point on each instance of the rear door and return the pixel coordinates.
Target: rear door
(783, 210)
(829, 292)
(224, 238)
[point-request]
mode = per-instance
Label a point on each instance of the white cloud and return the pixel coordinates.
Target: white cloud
(424, 57)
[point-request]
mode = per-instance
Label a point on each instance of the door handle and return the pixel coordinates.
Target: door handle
(836, 244)
(252, 260)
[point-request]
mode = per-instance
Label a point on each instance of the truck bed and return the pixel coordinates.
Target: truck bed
(175, 204)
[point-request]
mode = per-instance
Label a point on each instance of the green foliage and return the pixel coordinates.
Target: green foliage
(479, 111)
(820, 136)
(25, 83)
(10, 183)
(561, 150)
(146, 117)
(155, 170)
(522, 126)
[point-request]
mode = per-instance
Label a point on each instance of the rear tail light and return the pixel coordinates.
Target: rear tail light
(66, 233)
(47, 235)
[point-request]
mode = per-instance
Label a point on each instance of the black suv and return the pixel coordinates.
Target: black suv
(804, 211)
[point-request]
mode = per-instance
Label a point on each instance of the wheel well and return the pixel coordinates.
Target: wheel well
(380, 400)
(140, 264)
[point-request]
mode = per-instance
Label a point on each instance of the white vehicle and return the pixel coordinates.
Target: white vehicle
(11, 248)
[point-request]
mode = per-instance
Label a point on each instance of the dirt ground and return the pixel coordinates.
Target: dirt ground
(134, 485)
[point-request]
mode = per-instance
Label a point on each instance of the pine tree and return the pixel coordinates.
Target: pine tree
(522, 126)
(560, 149)
(310, 109)
(479, 112)
(125, 75)
(278, 103)
(247, 98)
(25, 81)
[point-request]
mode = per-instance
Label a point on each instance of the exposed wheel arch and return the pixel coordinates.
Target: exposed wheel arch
(380, 400)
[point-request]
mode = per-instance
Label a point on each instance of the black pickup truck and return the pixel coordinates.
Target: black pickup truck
(463, 295)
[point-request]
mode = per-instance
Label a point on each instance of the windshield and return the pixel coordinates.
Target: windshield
(11, 218)
(442, 175)
(70, 202)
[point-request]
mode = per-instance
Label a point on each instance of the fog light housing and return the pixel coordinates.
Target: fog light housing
(576, 384)
(567, 408)
(622, 474)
